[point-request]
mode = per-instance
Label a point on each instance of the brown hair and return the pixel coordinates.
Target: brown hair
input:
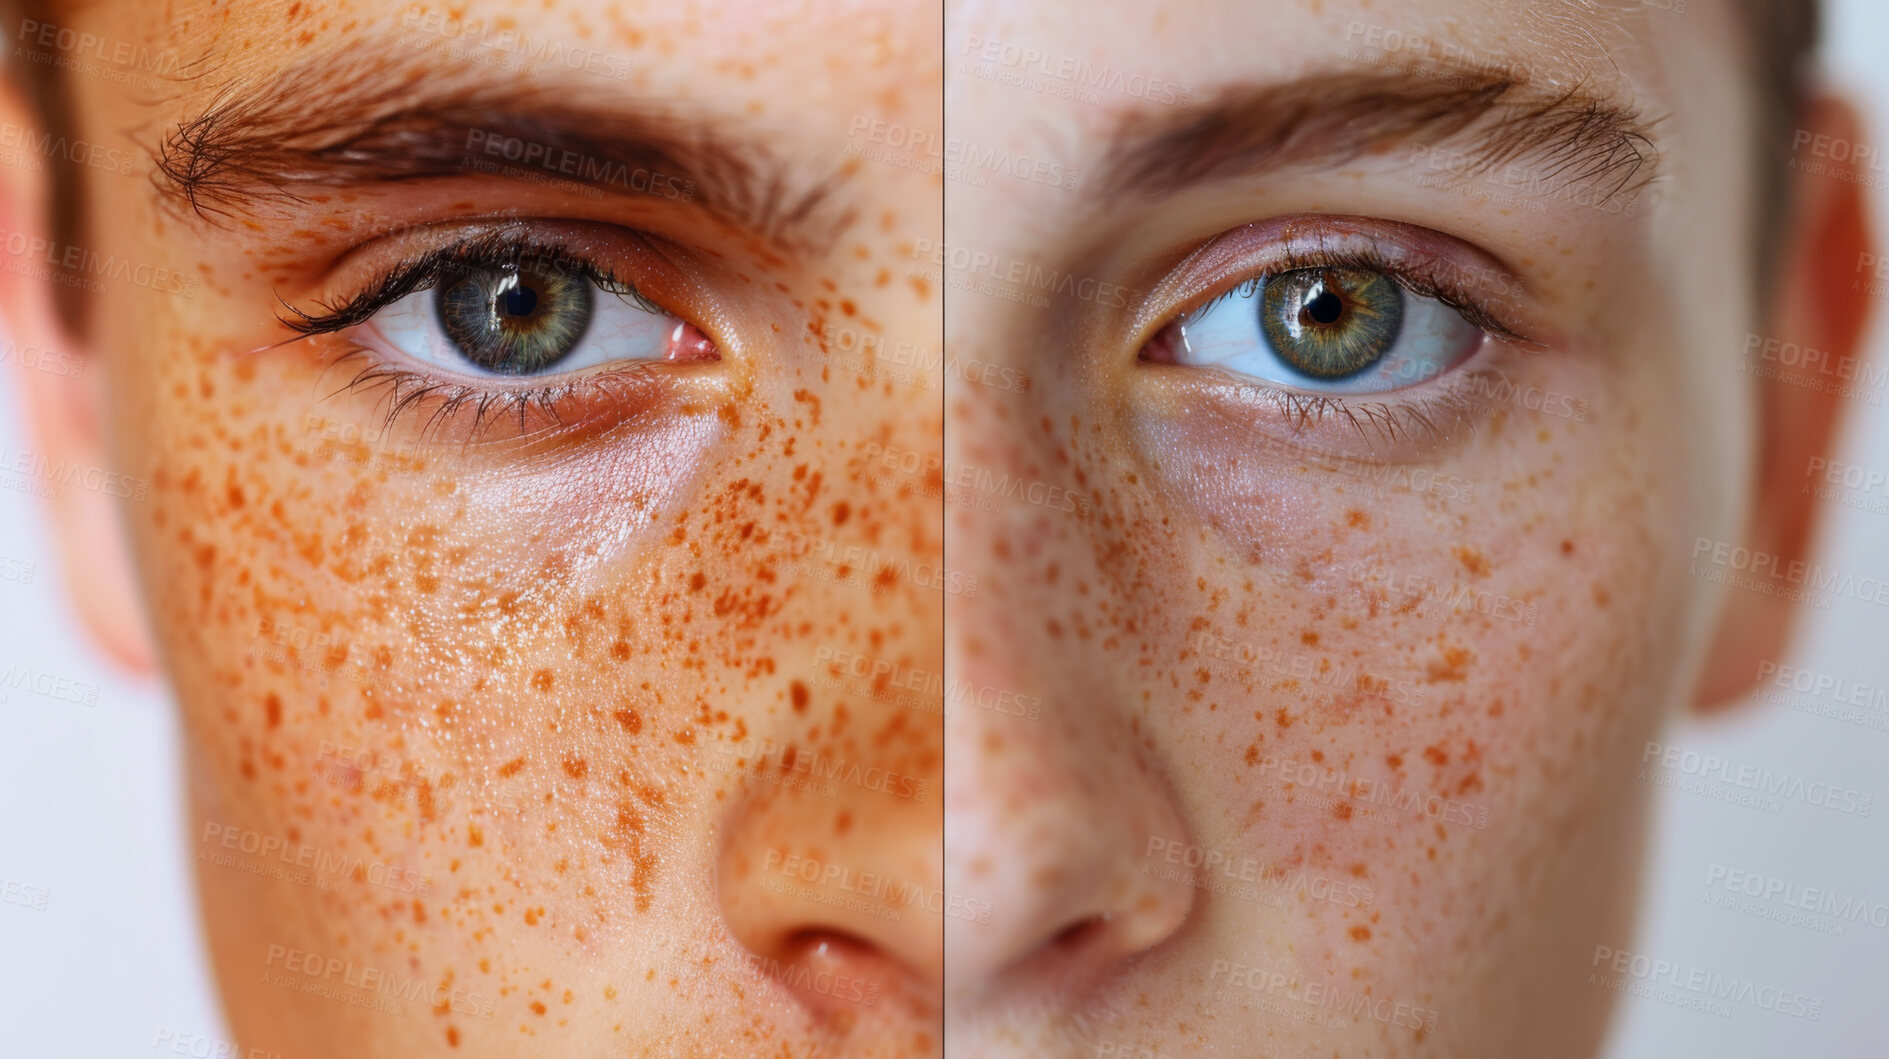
(1782, 35)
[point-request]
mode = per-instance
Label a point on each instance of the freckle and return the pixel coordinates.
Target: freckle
(1567, 547)
(630, 720)
(1472, 560)
(541, 680)
(799, 693)
(1342, 811)
(474, 835)
(847, 307)
(843, 823)
(532, 915)
(1360, 933)
(1395, 761)
(537, 1007)
(1309, 638)
(272, 709)
(452, 1037)
(419, 912)
(576, 767)
(1435, 755)
(841, 512)
(511, 768)
(1357, 519)
(1252, 754)
(1282, 718)
(1602, 597)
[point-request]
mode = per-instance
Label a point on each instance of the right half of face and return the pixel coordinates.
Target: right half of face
(1328, 491)
(559, 664)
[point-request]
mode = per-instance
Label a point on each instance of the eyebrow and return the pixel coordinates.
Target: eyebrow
(357, 122)
(1329, 119)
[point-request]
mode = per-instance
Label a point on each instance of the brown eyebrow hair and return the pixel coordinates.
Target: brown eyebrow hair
(336, 123)
(1328, 119)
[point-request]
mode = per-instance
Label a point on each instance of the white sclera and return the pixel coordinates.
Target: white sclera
(619, 330)
(1226, 334)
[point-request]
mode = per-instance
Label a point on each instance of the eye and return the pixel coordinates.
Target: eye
(1328, 330)
(527, 317)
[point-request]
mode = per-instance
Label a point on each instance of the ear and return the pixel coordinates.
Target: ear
(57, 384)
(1819, 301)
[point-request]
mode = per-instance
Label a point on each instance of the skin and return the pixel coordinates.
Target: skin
(1225, 641)
(561, 682)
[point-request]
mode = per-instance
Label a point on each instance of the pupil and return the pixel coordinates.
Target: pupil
(1325, 307)
(519, 301)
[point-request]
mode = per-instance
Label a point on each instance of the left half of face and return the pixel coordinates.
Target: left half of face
(538, 515)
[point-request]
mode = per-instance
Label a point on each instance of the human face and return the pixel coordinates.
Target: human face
(1335, 702)
(516, 721)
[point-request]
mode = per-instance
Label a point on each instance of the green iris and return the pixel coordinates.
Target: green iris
(1330, 323)
(515, 320)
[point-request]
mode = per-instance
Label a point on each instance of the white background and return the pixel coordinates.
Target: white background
(90, 806)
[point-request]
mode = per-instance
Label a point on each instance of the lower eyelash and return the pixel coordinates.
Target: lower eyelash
(1437, 415)
(408, 391)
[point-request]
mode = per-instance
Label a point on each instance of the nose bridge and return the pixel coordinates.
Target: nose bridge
(1050, 802)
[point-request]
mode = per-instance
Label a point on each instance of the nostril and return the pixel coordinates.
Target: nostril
(832, 972)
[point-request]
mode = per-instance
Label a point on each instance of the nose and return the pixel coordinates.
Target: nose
(1050, 805)
(830, 875)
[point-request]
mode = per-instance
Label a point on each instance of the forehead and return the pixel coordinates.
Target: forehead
(1098, 57)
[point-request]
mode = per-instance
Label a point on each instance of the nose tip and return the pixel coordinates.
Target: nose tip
(1057, 930)
(846, 920)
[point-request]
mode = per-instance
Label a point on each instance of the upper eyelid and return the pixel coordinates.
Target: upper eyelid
(1233, 257)
(418, 272)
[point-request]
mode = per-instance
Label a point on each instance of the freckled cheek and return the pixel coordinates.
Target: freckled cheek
(1473, 630)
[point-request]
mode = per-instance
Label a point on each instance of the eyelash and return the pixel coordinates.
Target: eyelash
(408, 389)
(1423, 275)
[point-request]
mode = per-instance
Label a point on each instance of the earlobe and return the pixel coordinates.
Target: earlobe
(1820, 302)
(56, 382)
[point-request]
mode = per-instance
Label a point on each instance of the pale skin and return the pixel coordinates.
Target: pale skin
(1241, 640)
(535, 676)
(600, 690)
